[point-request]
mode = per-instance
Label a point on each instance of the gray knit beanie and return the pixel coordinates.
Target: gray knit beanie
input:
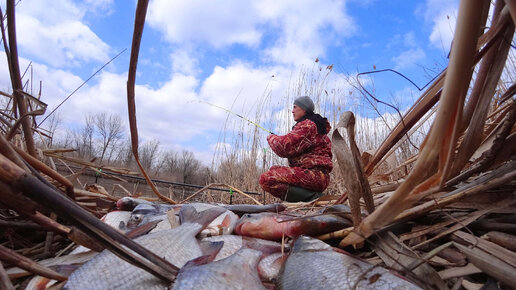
(305, 103)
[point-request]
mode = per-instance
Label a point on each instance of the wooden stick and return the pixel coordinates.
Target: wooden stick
(501, 253)
(491, 265)
(503, 239)
(38, 165)
(5, 283)
(511, 4)
(16, 78)
(18, 260)
(219, 184)
(469, 219)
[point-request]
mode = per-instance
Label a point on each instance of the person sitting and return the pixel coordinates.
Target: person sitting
(308, 150)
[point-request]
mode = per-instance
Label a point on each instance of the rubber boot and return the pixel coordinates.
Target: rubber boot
(297, 194)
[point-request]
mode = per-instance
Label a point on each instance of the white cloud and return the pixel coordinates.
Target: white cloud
(442, 16)
(443, 30)
(215, 23)
(293, 28)
(408, 58)
(184, 62)
(409, 39)
(99, 5)
(239, 85)
(53, 33)
(299, 28)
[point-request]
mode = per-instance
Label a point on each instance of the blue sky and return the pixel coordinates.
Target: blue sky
(224, 52)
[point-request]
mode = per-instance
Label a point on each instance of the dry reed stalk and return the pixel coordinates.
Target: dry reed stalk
(91, 164)
(16, 78)
(505, 240)
(427, 100)
(465, 221)
(42, 167)
(495, 143)
(511, 4)
(459, 271)
(492, 66)
(491, 265)
(351, 168)
(433, 160)
(139, 21)
(398, 256)
(498, 177)
(5, 283)
(220, 184)
(18, 260)
(7, 150)
(92, 227)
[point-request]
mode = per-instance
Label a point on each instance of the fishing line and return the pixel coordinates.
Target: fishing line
(83, 83)
(238, 115)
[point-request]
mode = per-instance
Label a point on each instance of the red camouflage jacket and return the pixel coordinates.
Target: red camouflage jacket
(304, 147)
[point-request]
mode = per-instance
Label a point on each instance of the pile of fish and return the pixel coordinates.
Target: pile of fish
(228, 247)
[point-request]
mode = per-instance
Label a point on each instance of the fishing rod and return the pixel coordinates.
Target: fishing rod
(238, 115)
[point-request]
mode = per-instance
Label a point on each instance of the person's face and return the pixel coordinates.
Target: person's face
(298, 113)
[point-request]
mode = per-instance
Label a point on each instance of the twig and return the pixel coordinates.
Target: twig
(16, 78)
(219, 184)
(18, 260)
(5, 283)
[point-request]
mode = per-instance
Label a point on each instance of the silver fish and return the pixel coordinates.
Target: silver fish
(117, 219)
(129, 203)
(177, 246)
(145, 213)
(233, 243)
(237, 271)
(312, 264)
(224, 224)
(241, 209)
(270, 266)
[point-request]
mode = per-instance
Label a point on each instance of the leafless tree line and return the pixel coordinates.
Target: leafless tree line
(102, 137)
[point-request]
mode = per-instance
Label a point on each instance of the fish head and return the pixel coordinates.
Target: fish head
(135, 220)
(140, 213)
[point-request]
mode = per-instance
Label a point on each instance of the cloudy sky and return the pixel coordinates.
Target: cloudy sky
(225, 52)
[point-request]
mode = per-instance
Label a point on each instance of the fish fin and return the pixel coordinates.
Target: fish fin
(188, 214)
(226, 222)
(143, 229)
(280, 261)
(210, 251)
(211, 248)
(255, 244)
(172, 219)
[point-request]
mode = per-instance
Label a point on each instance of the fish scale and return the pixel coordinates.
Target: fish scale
(108, 271)
(312, 264)
(237, 271)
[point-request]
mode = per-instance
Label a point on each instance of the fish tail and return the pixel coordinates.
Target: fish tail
(188, 214)
(210, 251)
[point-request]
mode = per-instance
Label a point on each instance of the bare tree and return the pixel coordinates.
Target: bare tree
(83, 138)
(188, 166)
(110, 129)
(52, 126)
(148, 153)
